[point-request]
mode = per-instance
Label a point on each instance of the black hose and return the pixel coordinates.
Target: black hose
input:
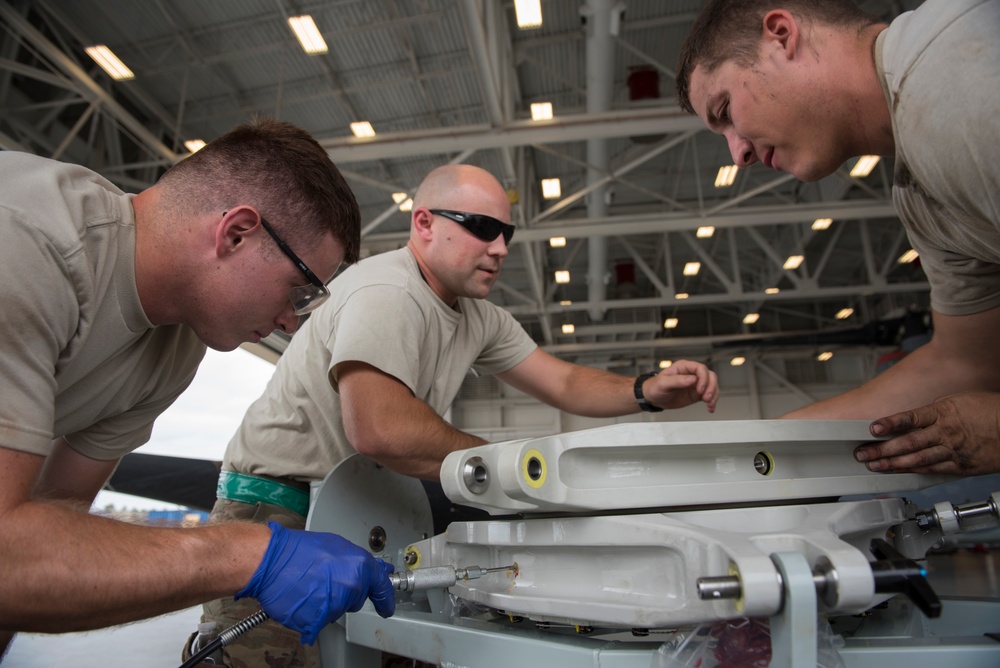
(226, 637)
(202, 653)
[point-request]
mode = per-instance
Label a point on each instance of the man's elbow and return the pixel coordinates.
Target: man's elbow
(369, 448)
(368, 439)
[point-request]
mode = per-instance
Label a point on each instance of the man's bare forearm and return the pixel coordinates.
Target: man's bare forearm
(591, 392)
(77, 571)
(917, 380)
(384, 421)
(414, 442)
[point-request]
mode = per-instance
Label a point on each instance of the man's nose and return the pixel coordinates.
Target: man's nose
(287, 321)
(498, 247)
(741, 150)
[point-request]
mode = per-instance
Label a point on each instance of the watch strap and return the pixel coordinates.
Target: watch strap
(640, 398)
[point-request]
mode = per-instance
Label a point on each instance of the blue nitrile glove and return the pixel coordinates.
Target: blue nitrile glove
(308, 579)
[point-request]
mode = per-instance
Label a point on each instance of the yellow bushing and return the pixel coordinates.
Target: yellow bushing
(533, 468)
(411, 553)
(763, 462)
(735, 572)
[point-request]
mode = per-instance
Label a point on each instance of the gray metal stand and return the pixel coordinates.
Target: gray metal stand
(793, 630)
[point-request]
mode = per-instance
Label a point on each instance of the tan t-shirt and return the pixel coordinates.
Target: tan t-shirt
(382, 313)
(940, 71)
(79, 358)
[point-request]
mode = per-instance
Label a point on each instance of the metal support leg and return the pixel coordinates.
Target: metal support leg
(335, 650)
(793, 630)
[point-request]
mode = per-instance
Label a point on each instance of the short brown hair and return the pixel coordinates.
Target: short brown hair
(280, 169)
(731, 30)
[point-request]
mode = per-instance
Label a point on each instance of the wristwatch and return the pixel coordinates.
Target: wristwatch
(643, 404)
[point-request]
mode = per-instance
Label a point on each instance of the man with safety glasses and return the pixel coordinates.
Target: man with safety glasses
(375, 368)
(108, 302)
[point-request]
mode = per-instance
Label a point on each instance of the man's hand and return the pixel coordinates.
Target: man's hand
(308, 579)
(958, 435)
(682, 384)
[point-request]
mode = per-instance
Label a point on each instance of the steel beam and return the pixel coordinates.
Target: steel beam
(576, 127)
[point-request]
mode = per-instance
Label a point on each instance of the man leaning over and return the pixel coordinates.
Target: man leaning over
(108, 303)
(804, 85)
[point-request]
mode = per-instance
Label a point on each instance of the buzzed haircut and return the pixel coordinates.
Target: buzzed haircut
(731, 30)
(278, 168)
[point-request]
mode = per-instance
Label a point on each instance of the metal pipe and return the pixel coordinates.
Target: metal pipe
(440, 577)
(600, 77)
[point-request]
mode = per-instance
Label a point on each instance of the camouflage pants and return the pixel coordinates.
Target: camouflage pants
(269, 645)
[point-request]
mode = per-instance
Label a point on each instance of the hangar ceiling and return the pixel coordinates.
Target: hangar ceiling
(452, 81)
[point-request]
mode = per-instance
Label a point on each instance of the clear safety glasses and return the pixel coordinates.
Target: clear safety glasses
(304, 298)
(483, 227)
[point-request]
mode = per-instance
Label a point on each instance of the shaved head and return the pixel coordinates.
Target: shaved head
(453, 260)
(460, 187)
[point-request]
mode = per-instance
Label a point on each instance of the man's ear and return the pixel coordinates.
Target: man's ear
(233, 230)
(780, 29)
(422, 218)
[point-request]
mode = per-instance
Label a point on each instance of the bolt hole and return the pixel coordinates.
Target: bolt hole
(476, 475)
(376, 539)
(534, 468)
(763, 463)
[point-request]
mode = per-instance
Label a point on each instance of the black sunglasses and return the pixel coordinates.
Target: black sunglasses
(483, 227)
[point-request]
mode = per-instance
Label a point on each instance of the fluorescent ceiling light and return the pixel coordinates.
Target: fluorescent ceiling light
(308, 34)
(362, 129)
(562, 276)
(908, 256)
(406, 205)
(666, 364)
(705, 232)
(681, 295)
(670, 323)
(738, 361)
(566, 302)
(399, 198)
(551, 189)
(864, 165)
(194, 145)
(771, 291)
(822, 223)
(751, 318)
(726, 176)
(822, 357)
(109, 62)
(793, 261)
(529, 13)
(568, 328)
(557, 242)
(844, 313)
(541, 111)
(692, 268)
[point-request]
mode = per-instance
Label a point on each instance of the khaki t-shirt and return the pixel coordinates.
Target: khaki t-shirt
(940, 71)
(79, 357)
(381, 312)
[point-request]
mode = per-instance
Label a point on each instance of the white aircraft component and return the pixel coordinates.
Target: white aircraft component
(670, 464)
(640, 527)
(641, 571)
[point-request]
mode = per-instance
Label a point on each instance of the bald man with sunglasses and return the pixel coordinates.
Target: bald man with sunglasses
(374, 369)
